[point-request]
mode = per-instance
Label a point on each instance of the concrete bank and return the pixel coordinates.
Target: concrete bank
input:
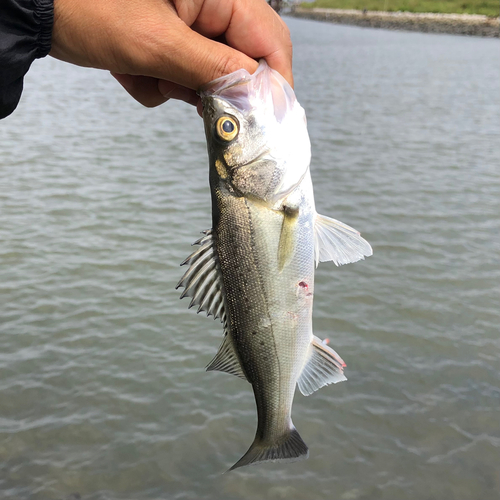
(456, 24)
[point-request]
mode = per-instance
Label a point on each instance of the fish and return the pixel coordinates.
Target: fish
(254, 269)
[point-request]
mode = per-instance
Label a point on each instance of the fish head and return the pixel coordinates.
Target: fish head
(256, 133)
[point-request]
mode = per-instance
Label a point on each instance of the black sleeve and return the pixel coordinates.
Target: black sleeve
(25, 35)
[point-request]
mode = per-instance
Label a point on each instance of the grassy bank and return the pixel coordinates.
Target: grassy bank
(485, 7)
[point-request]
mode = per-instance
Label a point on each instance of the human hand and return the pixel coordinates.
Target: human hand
(163, 49)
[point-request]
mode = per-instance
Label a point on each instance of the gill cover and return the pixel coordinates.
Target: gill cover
(272, 130)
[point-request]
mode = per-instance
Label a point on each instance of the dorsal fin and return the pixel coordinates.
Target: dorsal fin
(202, 281)
(338, 242)
(226, 359)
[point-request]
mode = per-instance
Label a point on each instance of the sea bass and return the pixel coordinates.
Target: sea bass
(255, 268)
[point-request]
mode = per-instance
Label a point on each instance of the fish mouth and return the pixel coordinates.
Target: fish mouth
(256, 160)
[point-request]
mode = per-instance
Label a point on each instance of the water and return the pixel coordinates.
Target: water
(102, 383)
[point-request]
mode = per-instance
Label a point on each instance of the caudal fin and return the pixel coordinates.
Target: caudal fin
(289, 448)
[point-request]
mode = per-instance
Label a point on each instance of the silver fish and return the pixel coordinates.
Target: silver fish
(255, 268)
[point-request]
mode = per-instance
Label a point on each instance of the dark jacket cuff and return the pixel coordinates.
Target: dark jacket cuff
(25, 35)
(44, 10)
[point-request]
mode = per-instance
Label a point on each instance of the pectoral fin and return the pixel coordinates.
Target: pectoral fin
(287, 237)
(338, 242)
(324, 367)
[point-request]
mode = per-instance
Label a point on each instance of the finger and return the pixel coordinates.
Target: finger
(172, 90)
(192, 60)
(268, 39)
(251, 27)
(143, 89)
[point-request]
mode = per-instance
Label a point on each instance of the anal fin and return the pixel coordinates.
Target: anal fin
(324, 367)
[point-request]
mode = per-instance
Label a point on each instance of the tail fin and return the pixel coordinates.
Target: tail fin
(288, 449)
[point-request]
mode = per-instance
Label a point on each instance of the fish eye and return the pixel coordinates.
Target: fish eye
(227, 128)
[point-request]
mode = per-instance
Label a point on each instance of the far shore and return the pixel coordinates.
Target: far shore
(456, 24)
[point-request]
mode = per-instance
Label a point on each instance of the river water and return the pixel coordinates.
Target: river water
(103, 391)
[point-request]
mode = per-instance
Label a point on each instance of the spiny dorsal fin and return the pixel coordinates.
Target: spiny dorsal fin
(226, 359)
(338, 242)
(202, 281)
(324, 367)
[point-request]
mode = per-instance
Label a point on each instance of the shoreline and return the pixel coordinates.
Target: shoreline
(454, 24)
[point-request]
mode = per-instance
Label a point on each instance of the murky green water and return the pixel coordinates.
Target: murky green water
(102, 383)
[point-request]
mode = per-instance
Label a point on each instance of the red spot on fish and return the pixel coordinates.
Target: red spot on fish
(303, 284)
